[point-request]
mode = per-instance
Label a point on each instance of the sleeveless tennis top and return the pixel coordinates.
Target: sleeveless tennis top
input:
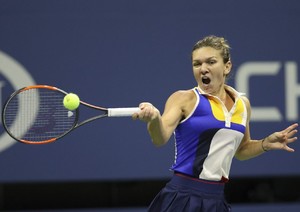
(206, 140)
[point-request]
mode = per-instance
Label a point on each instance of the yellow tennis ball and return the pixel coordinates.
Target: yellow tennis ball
(71, 101)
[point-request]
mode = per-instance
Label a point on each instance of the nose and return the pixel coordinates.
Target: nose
(203, 70)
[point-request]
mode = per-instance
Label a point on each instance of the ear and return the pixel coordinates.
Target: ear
(228, 66)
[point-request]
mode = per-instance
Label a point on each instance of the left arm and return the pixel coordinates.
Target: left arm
(250, 148)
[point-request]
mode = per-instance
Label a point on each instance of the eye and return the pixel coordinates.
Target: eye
(196, 64)
(211, 62)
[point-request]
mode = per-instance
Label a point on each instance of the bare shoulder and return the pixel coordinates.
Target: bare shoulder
(184, 100)
(246, 100)
(247, 103)
(183, 95)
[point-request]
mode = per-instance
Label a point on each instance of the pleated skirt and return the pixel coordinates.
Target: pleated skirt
(185, 194)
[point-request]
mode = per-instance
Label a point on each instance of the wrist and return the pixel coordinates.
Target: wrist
(263, 146)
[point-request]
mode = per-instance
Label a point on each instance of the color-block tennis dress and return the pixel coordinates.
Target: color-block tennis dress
(207, 140)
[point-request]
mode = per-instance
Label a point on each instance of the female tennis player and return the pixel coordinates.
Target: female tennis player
(211, 125)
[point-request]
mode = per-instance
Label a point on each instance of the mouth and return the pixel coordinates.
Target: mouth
(205, 80)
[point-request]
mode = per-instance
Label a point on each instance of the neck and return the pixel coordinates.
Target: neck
(223, 94)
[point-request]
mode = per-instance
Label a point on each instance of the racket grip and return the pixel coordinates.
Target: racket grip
(121, 112)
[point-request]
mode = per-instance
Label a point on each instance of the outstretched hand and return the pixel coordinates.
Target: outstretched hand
(280, 140)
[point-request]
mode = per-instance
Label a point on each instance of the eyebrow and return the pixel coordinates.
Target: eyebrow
(208, 58)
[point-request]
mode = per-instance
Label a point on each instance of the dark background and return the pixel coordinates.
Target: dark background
(119, 53)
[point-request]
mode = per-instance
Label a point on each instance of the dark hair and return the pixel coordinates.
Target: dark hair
(215, 42)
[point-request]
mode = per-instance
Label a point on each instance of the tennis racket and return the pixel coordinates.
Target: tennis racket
(36, 114)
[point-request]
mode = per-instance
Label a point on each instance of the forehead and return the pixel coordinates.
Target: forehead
(205, 53)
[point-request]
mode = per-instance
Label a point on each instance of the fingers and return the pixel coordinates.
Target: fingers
(280, 140)
(289, 149)
(291, 128)
(289, 133)
(147, 113)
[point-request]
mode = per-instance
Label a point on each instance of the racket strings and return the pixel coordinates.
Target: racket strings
(38, 115)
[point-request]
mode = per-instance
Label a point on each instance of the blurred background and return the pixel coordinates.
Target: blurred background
(119, 53)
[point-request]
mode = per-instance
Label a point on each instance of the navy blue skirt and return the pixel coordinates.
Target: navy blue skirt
(186, 194)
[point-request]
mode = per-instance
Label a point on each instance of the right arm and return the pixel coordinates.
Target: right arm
(161, 127)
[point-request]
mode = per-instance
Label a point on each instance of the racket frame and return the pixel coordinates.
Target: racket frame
(14, 94)
(107, 112)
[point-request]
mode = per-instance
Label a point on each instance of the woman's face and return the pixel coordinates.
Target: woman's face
(209, 69)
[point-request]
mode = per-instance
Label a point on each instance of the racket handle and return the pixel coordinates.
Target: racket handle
(120, 112)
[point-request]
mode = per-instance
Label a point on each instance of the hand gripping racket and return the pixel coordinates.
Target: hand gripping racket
(36, 114)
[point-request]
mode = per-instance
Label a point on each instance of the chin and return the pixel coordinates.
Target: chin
(206, 88)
